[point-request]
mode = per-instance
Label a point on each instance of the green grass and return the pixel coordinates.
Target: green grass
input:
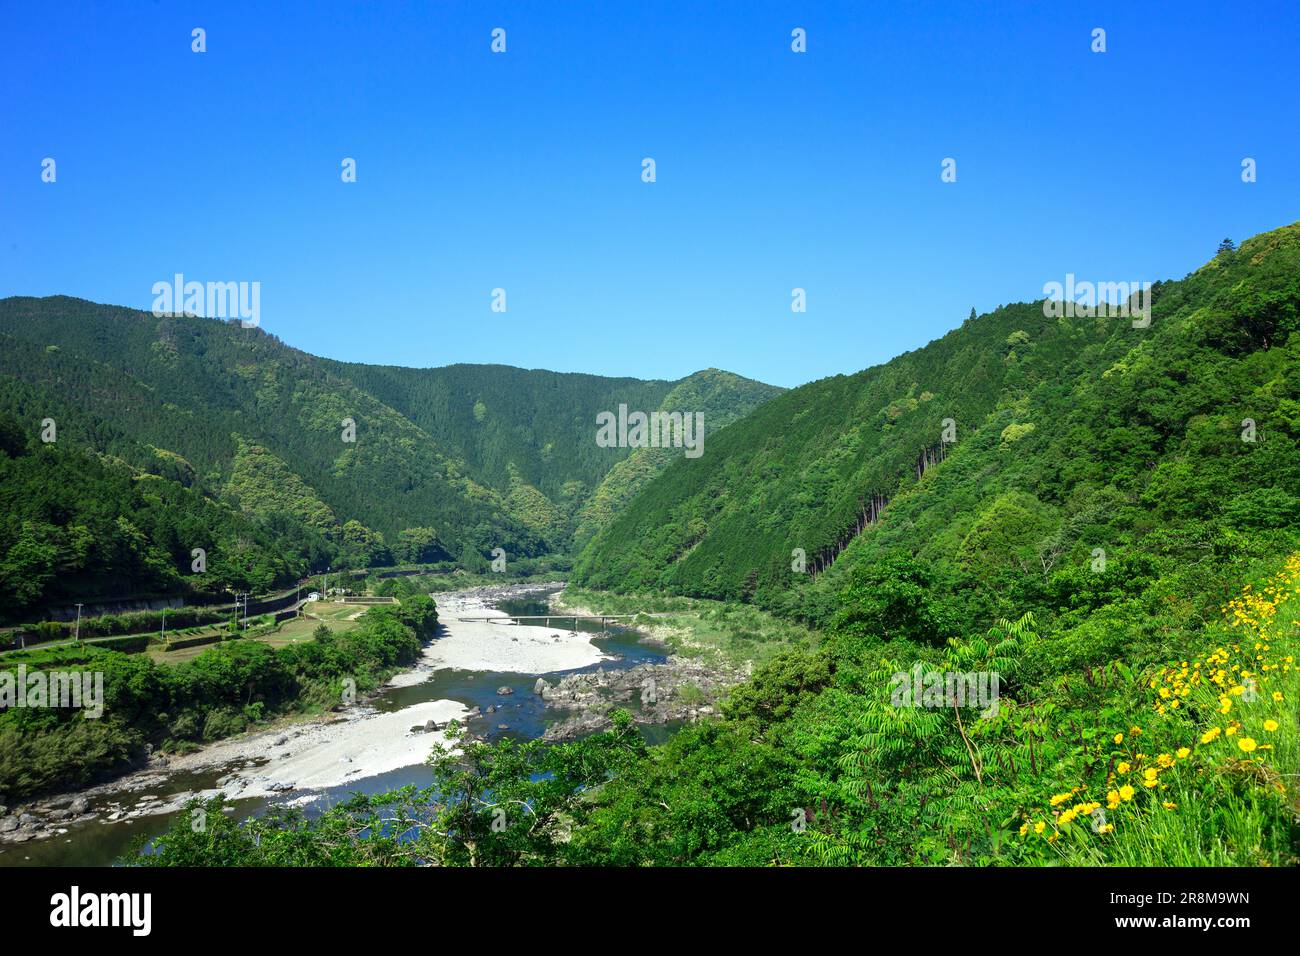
(1222, 765)
(693, 627)
(340, 618)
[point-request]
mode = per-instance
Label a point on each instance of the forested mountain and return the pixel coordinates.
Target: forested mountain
(1149, 444)
(82, 527)
(496, 417)
(358, 464)
(720, 396)
(529, 433)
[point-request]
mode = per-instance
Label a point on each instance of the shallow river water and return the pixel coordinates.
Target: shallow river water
(101, 843)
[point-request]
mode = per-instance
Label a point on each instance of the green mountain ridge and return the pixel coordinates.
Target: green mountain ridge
(1071, 434)
(719, 396)
(301, 445)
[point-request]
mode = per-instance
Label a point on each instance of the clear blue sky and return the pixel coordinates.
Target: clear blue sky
(523, 170)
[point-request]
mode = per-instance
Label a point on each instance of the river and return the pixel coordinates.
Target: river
(100, 842)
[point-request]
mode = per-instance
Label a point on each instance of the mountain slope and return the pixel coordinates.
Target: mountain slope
(530, 433)
(353, 464)
(720, 397)
(82, 527)
(495, 417)
(197, 386)
(1071, 434)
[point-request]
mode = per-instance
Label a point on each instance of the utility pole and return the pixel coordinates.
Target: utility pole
(78, 634)
(164, 626)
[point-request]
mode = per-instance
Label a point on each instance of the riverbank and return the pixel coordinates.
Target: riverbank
(297, 757)
(721, 633)
(712, 647)
(504, 646)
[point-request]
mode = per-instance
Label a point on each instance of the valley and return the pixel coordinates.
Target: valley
(1091, 524)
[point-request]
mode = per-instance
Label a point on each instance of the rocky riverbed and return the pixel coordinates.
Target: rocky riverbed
(680, 689)
(298, 758)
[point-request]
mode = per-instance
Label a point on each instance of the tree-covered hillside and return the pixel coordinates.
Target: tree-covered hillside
(198, 387)
(82, 527)
(495, 417)
(1077, 440)
(720, 397)
(530, 433)
(351, 463)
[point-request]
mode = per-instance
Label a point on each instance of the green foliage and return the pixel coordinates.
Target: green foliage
(82, 527)
(720, 396)
(1099, 436)
(221, 692)
(500, 804)
(774, 691)
(489, 456)
(895, 599)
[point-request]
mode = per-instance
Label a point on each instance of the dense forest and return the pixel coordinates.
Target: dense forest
(181, 433)
(1157, 446)
(528, 433)
(82, 527)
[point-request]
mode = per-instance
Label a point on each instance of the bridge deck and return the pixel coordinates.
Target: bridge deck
(548, 617)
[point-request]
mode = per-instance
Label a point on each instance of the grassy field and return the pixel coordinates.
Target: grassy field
(338, 617)
(712, 630)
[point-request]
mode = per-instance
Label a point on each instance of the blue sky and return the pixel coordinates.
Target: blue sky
(522, 170)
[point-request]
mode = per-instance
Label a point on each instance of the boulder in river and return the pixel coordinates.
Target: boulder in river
(540, 687)
(79, 806)
(505, 690)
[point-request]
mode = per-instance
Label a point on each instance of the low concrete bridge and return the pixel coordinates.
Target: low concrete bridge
(575, 618)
